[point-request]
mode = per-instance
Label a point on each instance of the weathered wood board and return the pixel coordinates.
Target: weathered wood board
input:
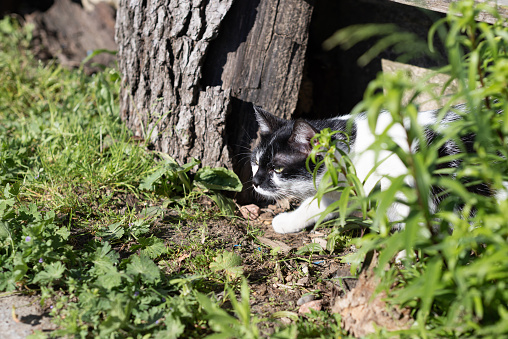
(443, 5)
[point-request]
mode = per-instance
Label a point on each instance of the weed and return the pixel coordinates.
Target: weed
(456, 279)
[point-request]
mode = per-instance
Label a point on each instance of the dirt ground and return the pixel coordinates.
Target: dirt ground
(287, 279)
(21, 315)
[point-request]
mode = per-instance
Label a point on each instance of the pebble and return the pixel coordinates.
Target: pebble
(320, 241)
(311, 305)
(305, 269)
(305, 299)
(285, 321)
(250, 212)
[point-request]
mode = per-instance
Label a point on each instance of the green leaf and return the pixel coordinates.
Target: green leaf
(51, 273)
(225, 204)
(149, 181)
(139, 227)
(220, 179)
(111, 279)
(144, 267)
(188, 166)
(310, 248)
(285, 314)
(242, 308)
(63, 232)
(105, 253)
(229, 262)
(174, 328)
(117, 315)
(114, 232)
(431, 283)
(219, 320)
(4, 231)
(153, 247)
(19, 271)
(289, 332)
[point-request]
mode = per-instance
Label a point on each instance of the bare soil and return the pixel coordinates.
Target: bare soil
(278, 276)
(21, 315)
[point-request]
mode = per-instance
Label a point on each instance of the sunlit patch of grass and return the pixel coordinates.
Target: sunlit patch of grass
(62, 129)
(76, 226)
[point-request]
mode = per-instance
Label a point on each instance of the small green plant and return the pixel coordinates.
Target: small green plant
(454, 274)
(228, 262)
(175, 181)
(244, 325)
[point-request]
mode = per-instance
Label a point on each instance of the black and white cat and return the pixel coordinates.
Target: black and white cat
(279, 171)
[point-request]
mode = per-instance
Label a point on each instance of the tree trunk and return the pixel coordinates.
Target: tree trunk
(192, 69)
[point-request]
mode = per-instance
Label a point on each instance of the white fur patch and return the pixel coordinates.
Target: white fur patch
(264, 192)
(365, 160)
(254, 169)
(304, 216)
(502, 194)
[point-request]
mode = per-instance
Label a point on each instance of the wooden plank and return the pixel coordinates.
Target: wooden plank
(443, 5)
(426, 101)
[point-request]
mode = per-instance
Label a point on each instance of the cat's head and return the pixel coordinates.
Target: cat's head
(278, 161)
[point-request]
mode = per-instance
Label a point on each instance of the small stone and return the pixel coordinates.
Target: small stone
(284, 204)
(285, 321)
(250, 212)
(305, 299)
(311, 305)
(320, 241)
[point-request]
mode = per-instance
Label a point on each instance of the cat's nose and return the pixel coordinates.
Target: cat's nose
(256, 181)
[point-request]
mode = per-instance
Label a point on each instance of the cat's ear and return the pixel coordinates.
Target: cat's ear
(268, 123)
(302, 133)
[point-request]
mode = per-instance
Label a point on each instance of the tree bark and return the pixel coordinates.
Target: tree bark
(192, 69)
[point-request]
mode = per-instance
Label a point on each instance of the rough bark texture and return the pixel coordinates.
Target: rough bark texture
(191, 70)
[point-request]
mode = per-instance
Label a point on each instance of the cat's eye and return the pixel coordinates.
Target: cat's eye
(278, 169)
(256, 162)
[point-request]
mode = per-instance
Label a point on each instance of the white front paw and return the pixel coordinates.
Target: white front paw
(287, 223)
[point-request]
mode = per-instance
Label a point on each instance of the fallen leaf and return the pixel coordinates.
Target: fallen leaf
(362, 311)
